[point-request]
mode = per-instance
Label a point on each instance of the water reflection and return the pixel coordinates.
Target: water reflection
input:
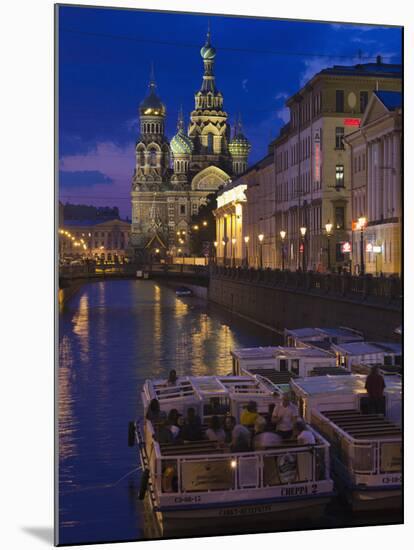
(114, 335)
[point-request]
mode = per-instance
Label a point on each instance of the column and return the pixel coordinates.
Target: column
(396, 176)
(369, 197)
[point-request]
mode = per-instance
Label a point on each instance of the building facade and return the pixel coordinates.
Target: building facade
(376, 185)
(313, 169)
(99, 240)
(173, 178)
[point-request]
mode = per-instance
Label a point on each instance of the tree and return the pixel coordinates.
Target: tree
(203, 226)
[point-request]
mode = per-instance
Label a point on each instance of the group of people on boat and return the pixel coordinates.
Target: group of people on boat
(254, 431)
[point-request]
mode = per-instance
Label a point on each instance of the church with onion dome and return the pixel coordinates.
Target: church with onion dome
(172, 178)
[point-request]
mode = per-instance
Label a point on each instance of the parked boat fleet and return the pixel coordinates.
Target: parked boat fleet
(355, 454)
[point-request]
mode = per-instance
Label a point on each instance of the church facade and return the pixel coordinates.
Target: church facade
(173, 178)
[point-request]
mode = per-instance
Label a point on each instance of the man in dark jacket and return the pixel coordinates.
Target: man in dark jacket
(375, 386)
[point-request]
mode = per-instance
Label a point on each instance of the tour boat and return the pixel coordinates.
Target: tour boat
(184, 291)
(321, 337)
(366, 449)
(197, 483)
(279, 364)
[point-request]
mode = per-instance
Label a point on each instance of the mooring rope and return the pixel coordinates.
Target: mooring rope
(101, 486)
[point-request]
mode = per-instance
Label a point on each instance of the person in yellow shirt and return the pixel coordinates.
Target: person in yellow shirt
(249, 415)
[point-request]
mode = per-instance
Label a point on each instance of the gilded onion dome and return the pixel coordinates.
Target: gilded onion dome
(181, 144)
(152, 104)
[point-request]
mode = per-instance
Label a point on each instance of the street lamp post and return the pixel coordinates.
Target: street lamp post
(261, 237)
(246, 240)
(282, 236)
(328, 227)
(233, 251)
(362, 221)
(303, 233)
(215, 251)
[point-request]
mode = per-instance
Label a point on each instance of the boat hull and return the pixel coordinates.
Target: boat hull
(377, 500)
(246, 517)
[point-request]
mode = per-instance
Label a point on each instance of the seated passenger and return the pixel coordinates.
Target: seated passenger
(173, 417)
(191, 431)
(153, 412)
(162, 431)
(264, 437)
(229, 423)
(172, 378)
(249, 414)
(240, 441)
(215, 432)
(305, 436)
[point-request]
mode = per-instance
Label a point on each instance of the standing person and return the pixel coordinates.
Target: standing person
(215, 432)
(172, 378)
(284, 417)
(375, 386)
(249, 414)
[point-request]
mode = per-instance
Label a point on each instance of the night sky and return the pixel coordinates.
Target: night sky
(104, 64)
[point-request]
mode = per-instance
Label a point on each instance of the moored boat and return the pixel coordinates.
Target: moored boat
(366, 449)
(193, 482)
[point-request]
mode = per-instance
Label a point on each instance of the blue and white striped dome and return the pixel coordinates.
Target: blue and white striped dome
(181, 144)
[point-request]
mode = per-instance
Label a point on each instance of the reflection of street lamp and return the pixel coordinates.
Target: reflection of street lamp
(282, 236)
(233, 251)
(261, 237)
(362, 222)
(246, 241)
(328, 228)
(303, 233)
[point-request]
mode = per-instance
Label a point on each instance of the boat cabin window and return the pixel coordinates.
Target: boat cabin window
(387, 360)
(219, 406)
(294, 366)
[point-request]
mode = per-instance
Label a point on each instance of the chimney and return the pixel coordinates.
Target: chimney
(379, 59)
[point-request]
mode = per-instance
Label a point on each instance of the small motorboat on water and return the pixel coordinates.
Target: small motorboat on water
(183, 291)
(199, 482)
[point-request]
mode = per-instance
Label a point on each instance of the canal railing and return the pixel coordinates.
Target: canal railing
(387, 290)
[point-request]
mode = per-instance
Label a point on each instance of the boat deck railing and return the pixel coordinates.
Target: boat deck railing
(366, 444)
(204, 465)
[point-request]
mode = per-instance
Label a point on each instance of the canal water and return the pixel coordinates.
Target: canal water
(112, 336)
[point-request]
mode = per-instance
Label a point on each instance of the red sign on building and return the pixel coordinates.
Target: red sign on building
(352, 122)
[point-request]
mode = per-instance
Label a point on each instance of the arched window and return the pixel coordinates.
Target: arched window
(153, 157)
(210, 143)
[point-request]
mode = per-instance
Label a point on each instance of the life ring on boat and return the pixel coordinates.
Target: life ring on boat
(168, 476)
(131, 434)
(144, 484)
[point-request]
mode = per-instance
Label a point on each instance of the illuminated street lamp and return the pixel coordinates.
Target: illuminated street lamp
(261, 237)
(362, 222)
(303, 234)
(246, 240)
(205, 223)
(328, 228)
(283, 236)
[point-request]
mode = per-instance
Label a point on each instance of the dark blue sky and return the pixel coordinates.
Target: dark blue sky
(104, 64)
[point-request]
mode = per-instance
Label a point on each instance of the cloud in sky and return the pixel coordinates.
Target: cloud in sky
(281, 95)
(107, 168)
(83, 178)
(244, 84)
(283, 114)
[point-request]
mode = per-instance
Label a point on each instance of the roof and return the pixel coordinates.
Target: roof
(366, 348)
(91, 223)
(255, 353)
(354, 384)
(363, 426)
(384, 70)
(335, 332)
(390, 100)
